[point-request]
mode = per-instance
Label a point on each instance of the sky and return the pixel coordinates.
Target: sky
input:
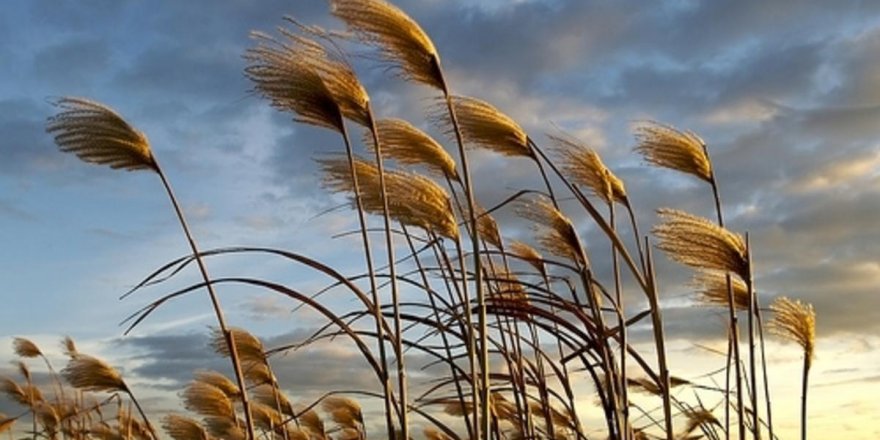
(786, 94)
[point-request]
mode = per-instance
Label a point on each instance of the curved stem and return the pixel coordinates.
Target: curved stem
(395, 295)
(483, 432)
(215, 302)
(380, 340)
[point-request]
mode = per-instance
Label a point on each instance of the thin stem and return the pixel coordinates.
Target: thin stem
(733, 320)
(621, 324)
(377, 310)
(756, 425)
(142, 413)
(659, 340)
(215, 302)
(395, 294)
(804, 385)
(484, 418)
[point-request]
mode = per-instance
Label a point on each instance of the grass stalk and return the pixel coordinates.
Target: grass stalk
(395, 294)
(215, 302)
(374, 290)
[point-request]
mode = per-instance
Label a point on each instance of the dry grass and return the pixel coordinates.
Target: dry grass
(668, 147)
(699, 243)
(795, 321)
(97, 134)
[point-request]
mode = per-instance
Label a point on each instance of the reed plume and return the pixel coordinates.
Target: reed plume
(413, 200)
(27, 395)
(528, 254)
(699, 243)
(218, 380)
(272, 396)
(556, 233)
(69, 347)
(401, 41)
(281, 74)
(668, 147)
(92, 374)
(583, 166)
(227, 429)
(183, 428)
(208, 400)
(712, 290)
(408, 145)
(6, 423)
(796, 321)
(97, 134)
(344, 411)
(249, 347)
(26, 348)
(484, 126)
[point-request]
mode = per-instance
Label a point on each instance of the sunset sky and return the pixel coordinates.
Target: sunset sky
(786, 94)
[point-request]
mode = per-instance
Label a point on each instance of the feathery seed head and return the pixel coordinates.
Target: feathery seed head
(344, 411)
(92, 374)
(795, 321)
(311, 421)
(668, 147)
(266, 417)
(528, 254)
(282, 74)
(271, 395)
(431, 433)
(408, 145)
(183, 428)
(400, 40)
(248, 346)
(219, 380)
(488, 227)
(484, 126)
(584, 166)
(6, 423)
(26, 395)
(207, 400)
(225, 428)
(69, 347)
(413, 200)
(556, 233)
(712, 289)
(25, 348)
(99, 135)
(700, 243)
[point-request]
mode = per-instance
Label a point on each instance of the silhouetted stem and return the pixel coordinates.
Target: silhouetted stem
(218, 310)
(734, 322)
(659, 341)
(483, 420)
(395, 295)
(380, 339)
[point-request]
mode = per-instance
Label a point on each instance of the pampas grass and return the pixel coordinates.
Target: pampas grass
(501, 382)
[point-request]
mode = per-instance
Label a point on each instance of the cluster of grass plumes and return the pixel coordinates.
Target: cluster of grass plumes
(515, 340)
(87, 399)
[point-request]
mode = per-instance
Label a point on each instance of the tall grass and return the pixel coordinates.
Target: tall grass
(516, 335)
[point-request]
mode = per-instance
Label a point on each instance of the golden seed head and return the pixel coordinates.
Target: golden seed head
(219, 380)
(400, 40)
(528, 254)
(6, 423)
(795, 321)
(413, 200)
(25, 348)
(408, 145)
(183, 428)
(711, 288)
(668, 147)
(483, 126)
(92, 374)
(248, 346)
(700, 243)
(344, 411)
(556, 233)
(271, 395)
(281, 73)
(583, 166)
(99, 135)
(208, 401)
